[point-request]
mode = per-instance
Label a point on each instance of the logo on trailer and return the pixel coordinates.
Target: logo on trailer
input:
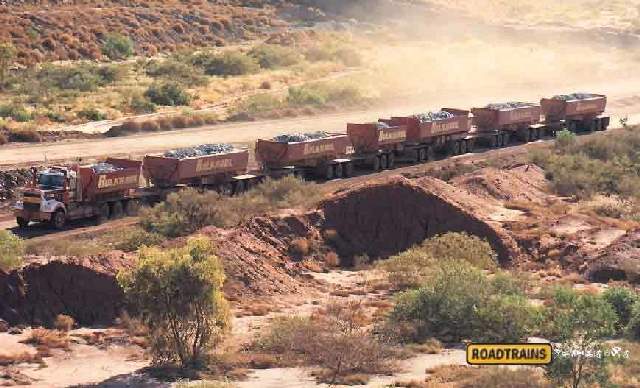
(587, 106)
(392, 135)
(310, 149)
(105, 182)
(213, 164)
(444, 127)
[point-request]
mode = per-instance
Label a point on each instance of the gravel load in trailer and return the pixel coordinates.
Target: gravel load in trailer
(103, 168)
(207, 164)
(577, 106)
(300, 137)
(506, 116)
(422, 127)
(308, 149)
(112, 176)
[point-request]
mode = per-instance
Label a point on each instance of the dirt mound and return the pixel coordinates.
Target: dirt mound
(519, 183)
(619, 261)
(384, 218)
(85, 289)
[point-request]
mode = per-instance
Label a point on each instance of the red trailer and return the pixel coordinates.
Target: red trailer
(576, 111)
(376, 144)
(504, 120)
(327, 156)
(226, 171)
(60, 194)
(425, 137)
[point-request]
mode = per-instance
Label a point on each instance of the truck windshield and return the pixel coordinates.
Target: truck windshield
(51, 180)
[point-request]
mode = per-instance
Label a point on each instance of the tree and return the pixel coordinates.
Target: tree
(11, 250)
(178, 294)
(7, 55)
(580, 323)
(117, 46)
(622, 300)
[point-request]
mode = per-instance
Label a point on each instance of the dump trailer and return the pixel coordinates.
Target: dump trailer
(377, 144)
(428, 133)
(59, 194)
(505, 120)
(576, 112)
(321, 154)
(223, 170)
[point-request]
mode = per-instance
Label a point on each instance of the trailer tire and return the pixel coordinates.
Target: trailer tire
(493, 141)
(598, 124)
(470, 145)
(376, 163)
(329, 172)
(571, 126)
(59, 219)
(239, 187)
(422, 155)
(338, 170)
(117, 210)
(22, 222)
(384, 162)
(463, 147)
(391, 160)
(131, 208)
(348, 170)
(226, 189)
(103, 213)
(506, 138)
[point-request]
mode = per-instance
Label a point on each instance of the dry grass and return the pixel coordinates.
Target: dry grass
(64, 323)
(45, 339)
(19, 358)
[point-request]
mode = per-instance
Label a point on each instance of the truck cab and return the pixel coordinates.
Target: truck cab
(47, 197)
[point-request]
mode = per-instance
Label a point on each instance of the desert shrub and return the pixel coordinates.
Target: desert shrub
(3, 139)
(66, 247)
(181, 72)
(336, 338)
(184, 213)
(117, 46)
(632, 330)
(7, 56)
(63, 322)
(138, 103)
(259, 103)
(303, 95)
(565, 139)
(178, 295)
(332, 259)
(460, 302)
(506, 378)
(622, 300)
(412, 267)
(180, 121)
(24, 135)
(273, 56)
(132, 238)
(11, 250)
(168, 94)
(299, 247)
(47, 339)
(349, 56)
(92, 114)
(230, 63)
(331, 52)
(18, 113)
(273, 194)
(150, 126)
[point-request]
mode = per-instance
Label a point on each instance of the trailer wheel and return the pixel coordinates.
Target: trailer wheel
(226, 189)
(422, 155)
(571, 126)
(22, 222)
(348, 170)
(103, 213)
(470, 145)
(59, 219)
(505, 139)
(598, 124)
(463, 147)
(240, 187)
(376, 163)
(117, 210)
(338, 170)
(131, 208)
(499, 141)
(329, 172)
(391, 160)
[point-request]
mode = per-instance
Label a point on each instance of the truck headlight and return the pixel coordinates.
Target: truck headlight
(18, 205)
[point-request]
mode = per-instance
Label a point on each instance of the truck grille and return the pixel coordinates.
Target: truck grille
(32, 207)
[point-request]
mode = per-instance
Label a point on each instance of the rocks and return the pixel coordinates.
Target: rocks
(104, 168)
(509, 105)
(434, 116)
(300, 137)
(574, 96)
(618, 262)
(201, 150)
(10, 180)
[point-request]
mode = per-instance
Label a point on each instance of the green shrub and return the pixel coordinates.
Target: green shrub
(460, 302)
(131, 239)
(622, 300)
(82, 77)
(117, 46)
(274, 56)
(181, 72)
(24, 136)
(92, 114)
(178, 294)
(304, 95)
(565, 139)
(11, 251)
(168, 94)
(632, 330)
(259, 103)
(230, 63)
(18, 113)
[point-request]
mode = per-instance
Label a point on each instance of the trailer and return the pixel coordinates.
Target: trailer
(60, 194)
(503, 121)
(326, 156)
(225, 171)
(426, 136)
(576, 112)
(377, 144)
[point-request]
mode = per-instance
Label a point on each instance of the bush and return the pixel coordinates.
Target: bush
(168, 94)
(117, 46)
(230, 63)
(24, 136)
(460, 302)
(83, 77)
(178, 294)
(176, 71)
(412, 267)
(139, 104)
(11, 251)
(259, 103)
(622, 300)
(3, 139)
(92, 114)
(299, 247)
(18, 113)
(304, 95)
(565, 138)
(64, 323)
(274, 56)
(632, 330)
(132, 238)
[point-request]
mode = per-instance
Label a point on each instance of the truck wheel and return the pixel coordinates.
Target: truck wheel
(463, 147)
(391, 160)
(384, 162)
(430, 154)
(103, 213)
(422, 155)
(329, 172)
(226, 189)
(59, 219)
(240, 187)
(22, 223)
(348, 170)
(376, 163)
(131, 208)
(117, 211)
